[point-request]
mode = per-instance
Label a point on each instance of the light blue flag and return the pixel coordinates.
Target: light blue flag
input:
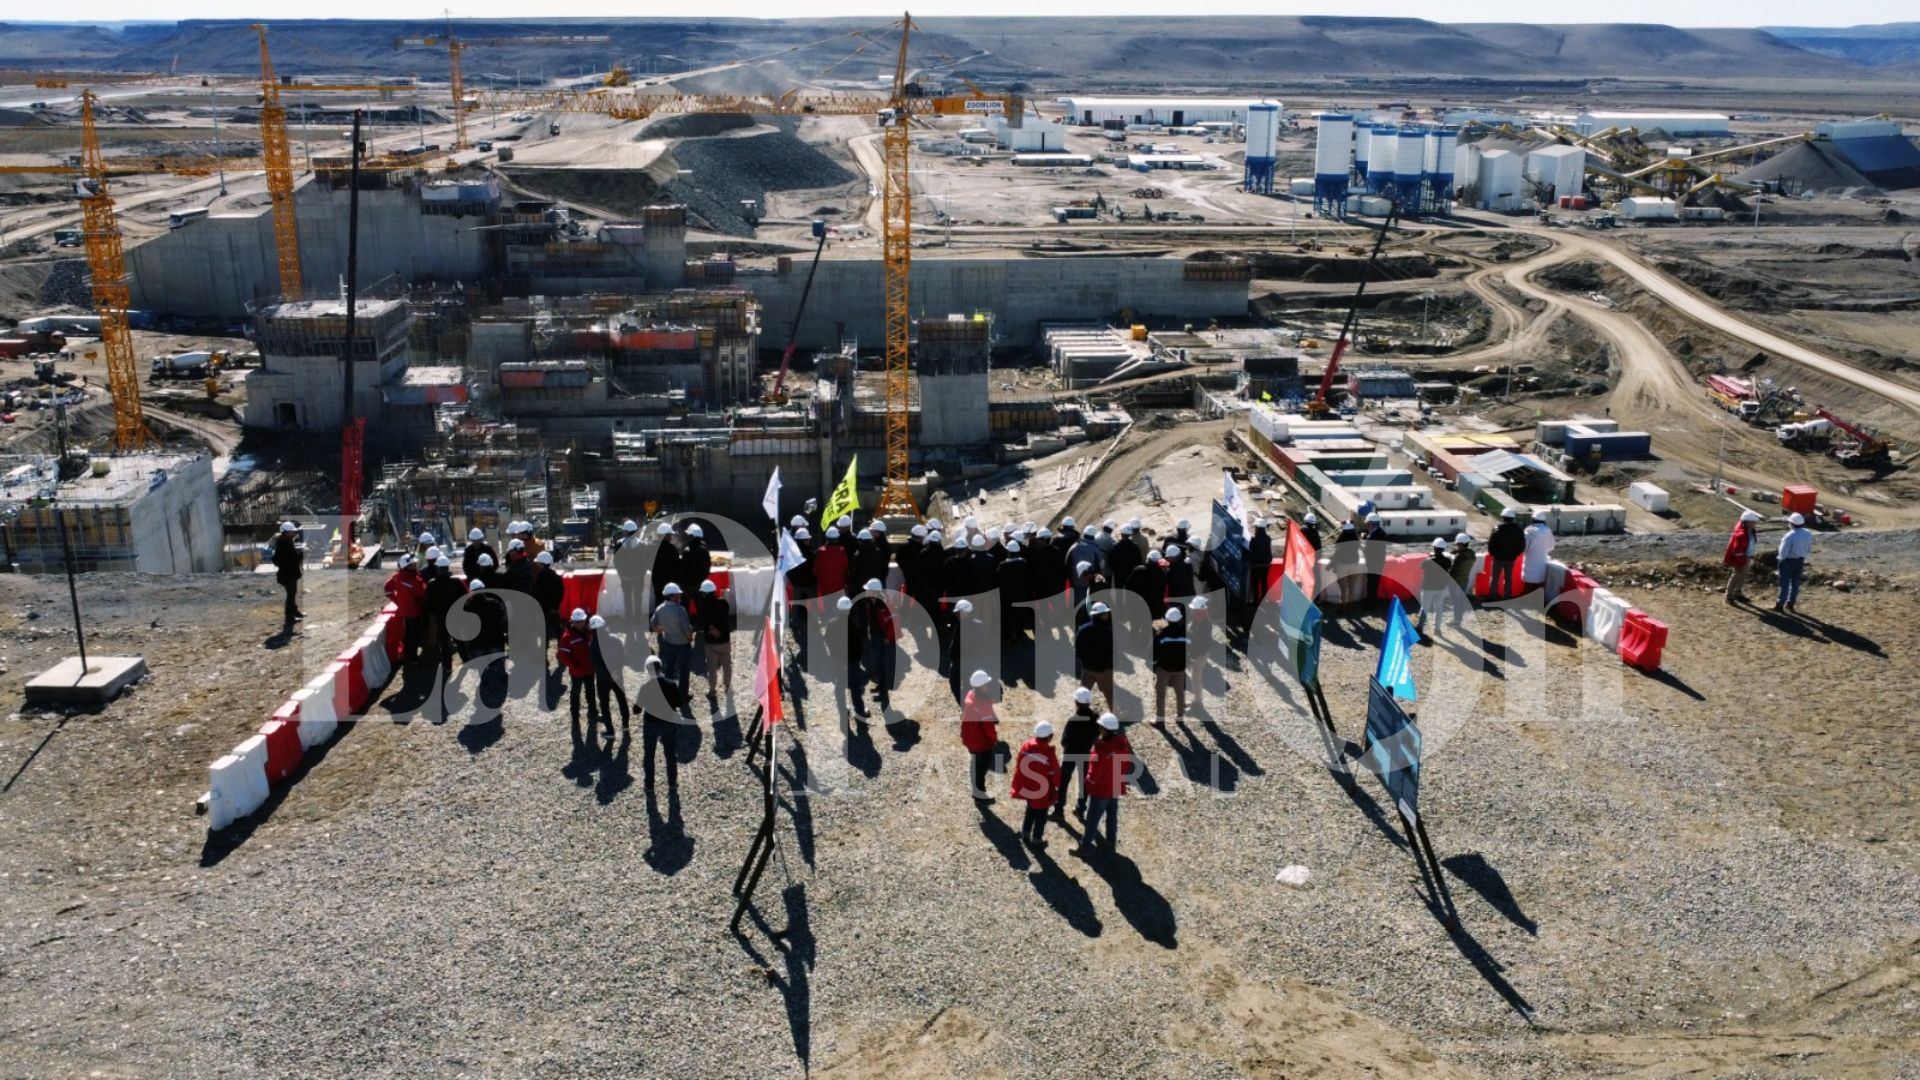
(1396, 654)
(1300, 622)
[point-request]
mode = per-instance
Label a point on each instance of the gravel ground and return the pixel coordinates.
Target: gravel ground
(1709, 872)
(729, 168)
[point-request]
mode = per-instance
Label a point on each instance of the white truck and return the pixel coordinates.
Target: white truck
(186, 365)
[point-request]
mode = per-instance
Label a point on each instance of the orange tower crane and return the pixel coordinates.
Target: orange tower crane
(457, 79)
(278, 153)
(109, 269)
(896, 257)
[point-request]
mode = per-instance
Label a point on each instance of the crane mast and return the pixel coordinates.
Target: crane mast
(896, 496)
(278, 155)
(107, 264)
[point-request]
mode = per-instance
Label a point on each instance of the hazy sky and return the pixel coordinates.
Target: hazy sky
(1705, 13)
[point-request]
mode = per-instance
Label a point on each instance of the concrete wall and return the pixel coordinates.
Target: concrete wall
(171, 528)
(214, 266)
(1020, 292)
(953, 410)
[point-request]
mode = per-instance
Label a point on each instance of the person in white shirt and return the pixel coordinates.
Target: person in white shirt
(1795, 546)
(1533, 566)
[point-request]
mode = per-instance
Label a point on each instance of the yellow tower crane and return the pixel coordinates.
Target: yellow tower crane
(278, 153)
(458, 79)
(108, 266)
(896, 257)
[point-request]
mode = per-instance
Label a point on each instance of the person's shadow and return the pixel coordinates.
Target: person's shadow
(669, 848)
(1140, 903)
(1004, 839)
(615, 776)
(1479, 875)
(1063, 894)
(794, 949)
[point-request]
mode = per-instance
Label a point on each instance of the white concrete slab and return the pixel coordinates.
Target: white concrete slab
(104, 677)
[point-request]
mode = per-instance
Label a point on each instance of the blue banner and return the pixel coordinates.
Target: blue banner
(1227, 547)
(1393, 749)
(1396, 654)
(1300, 623)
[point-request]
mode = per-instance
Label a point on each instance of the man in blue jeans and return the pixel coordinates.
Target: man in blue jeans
(675, 627)
(1795, 546)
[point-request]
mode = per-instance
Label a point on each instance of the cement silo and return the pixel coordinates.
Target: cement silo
(1385, 153)
(1263, 132)
(1331, 164)
(1445, 144)
(1408, 164)
(1362, 148)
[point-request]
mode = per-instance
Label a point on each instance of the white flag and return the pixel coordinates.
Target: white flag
(1235, 505)
(771, 502)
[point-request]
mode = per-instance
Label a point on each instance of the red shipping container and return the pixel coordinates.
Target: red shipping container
(1642, 639)
(1798, 499)
(283, 749)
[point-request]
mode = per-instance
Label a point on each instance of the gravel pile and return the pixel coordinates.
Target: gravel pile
(728, 169)
(68, 285)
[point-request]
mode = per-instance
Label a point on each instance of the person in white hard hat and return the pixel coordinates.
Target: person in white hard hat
(873, 634)
(1504, 549)
(1539, 537)
(421, 544)
(1794, 548)
(967, 637)
(674, 626)
(1076, 743)
(1259, 568)
(1107, 775)
(476, 547)
(408, 592)
(289, 553)
(661, 705)
(1436, 589)
(713, 623)
(1036, 782)
(549, 591)
(606, 681)
(1183, 533)
(575, 653)
(1170, 666)
(980, 732)
(666, 565)
(1093, 650)
(1462, 562)
(443, 591)
(1742, 546)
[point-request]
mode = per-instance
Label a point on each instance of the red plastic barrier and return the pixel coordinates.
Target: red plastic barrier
(353, 678)
(391, 637)
(582, 591)
(283, 748)
(1400, 577)
(391, 609)
(722, 581)
(1642, 639)
(1571, 604)
(1483, 582)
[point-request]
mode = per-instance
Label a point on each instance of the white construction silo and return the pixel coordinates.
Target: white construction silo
(1362, 147)
(1263, 133)
(1332, 164)
(1385, 155)
(1408, 164)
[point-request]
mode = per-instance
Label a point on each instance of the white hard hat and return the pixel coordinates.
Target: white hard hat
(1043, 730)
(971, 522)
(443, 561)
(873, 585)
(544, 558)
(516, 545)
(802, 534)
(1173, 550)
(877, 525)
(476, 585)
(1067, 523)
(664, 529)
(797, 521)
(1796, 519)
(1199, 603)
(1539, 515)
(934, 538)
(288, 526)
(1082, 567)
(845, 603)
(996, 534)
(486, 560)
(833, 532)
(961, 607)
(865, 534)
(1259, 523)
(709, 587)
(578, 614)
(1373, 519)
(432, 553)
(979, 542)
(1109, 525)
(845, 522)
(1013, 547)
(1099, 608)
(979, 679)
(696, 531)
(919, 531)
(1463, 538)
(1109, 721)
(426, 538)
(1083, 696)
(1750, 515)
(1174, 614)
(1129, 528)
(406, 561)
(1133, 523)
(1508, 513)
(1312, 518)
(1028, 527)
(1042, 534)
(1440, 541)
(1155, 555)
(1183, 523)
(933, 524)
(628, 525)
(672, 589)
(597, 622)
(652, 662)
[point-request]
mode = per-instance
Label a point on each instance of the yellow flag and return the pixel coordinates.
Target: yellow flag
(845, 499)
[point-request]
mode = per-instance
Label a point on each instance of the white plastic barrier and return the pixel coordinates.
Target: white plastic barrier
(1606, 614)
(1556, 579)
(373, 655)
(750, 591)
(230, 795)
(613, 603)
(317, 718)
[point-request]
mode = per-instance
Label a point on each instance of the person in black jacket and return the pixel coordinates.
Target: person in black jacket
(666, 565)
(1093, 650)
(931, 559)
(1123, 560)
(1179, 572)
(443, 591)
(1504, 549)
(713, 628)
(605, 680)
(518, 574)
(1259, 563)
(1170, 666)
(492, 613)
(696, 562)
(1010, 578)
(549, 591)
(1373, 549)
(1046, 568)
(1310, 528)
(660, 705)
(1148, 581)
(1076, 743)
(288, 555)
(476, 546)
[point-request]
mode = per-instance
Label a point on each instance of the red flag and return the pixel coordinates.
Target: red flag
(766, 679)
(1301, 562)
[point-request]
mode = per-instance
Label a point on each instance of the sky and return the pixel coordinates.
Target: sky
(1702, 13)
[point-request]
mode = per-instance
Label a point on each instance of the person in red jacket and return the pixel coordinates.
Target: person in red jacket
(1036, 782)
(575, 652)
(830, 565)
(1741, 547)
(408, 591)
(980, 733)
(1107, 776)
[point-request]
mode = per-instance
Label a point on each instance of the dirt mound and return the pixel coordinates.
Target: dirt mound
(1808, 166)
(726, 170)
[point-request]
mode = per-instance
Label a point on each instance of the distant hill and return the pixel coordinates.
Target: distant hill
(1882, 46)
(1116, 52)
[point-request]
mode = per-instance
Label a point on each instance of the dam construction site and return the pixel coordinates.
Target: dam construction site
(1428, 484)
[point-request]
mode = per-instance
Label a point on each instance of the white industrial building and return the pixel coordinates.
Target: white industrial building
(1035, 137)
(1673, 123)
(1562, 169)
(1500, 181)
(1166, 111)
(144, 513)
